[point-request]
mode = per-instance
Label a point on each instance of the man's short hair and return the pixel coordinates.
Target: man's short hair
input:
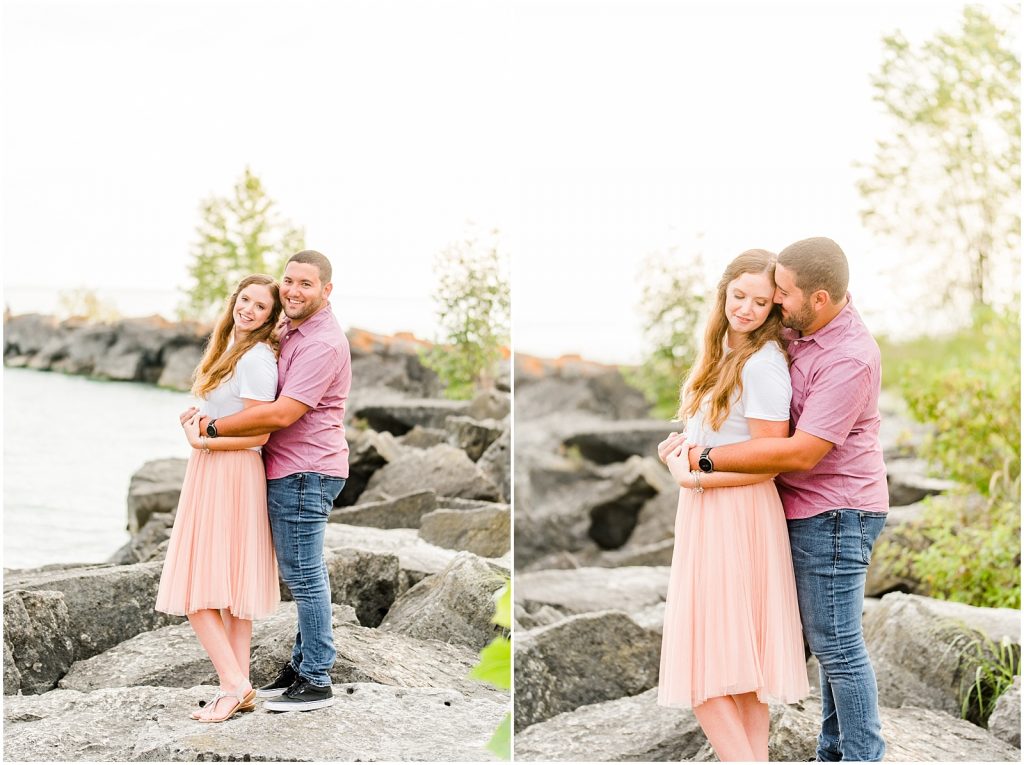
(314, 258)
(817, 263)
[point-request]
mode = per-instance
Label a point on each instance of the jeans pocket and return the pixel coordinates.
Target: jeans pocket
(871, 526)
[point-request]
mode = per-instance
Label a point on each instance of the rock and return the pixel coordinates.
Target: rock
(36, 637)
(1004, 722)
(398, 416)
(105, 604)
(84, 348)
(656, 554)
(496, 463)
(445, 469)
(149, 543)
(472, 436)
(629, 729)
(423, 438)
(582, 660)
(484, 531)
(914, 734)
(490, 405)
(179, 365)
(882, 575)
(154, 488)
(417, 558)
(603, 392)
(593, 589)
(610, 442)
(403, 512)
(369, 451)
(542, 617)
(367, 581)
(455, 606)
(367, 722)
(909, 481)
(916, 646)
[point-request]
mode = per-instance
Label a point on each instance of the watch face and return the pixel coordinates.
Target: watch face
(705, 464)
(211, 430)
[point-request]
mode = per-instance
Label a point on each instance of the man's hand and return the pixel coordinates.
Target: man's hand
(670, 445)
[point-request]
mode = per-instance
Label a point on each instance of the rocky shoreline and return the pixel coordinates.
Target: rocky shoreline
(594, 512)
(416, 548)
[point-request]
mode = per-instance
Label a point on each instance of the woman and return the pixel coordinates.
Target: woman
(220, 568)
(732, 638)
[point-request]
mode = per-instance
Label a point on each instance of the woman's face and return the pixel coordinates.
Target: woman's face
(252, 308)
(748, 301)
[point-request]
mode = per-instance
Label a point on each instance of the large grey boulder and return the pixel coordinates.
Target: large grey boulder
(149, 543)
(919, 647)
(423, 438)
(105, 604)
(474, 437)
(37, 641)
(84, 348)
(1004, 722)
(496, 463)
(585, 388)
(179, 365)
(909, 481)
(367, 722)
(369, 451)
(444, 469)
(490, 404)
(403, 512)
(417, 558)
(455, 606)
(154, 488)
(582, 660)
(593, 589)
(609, 442)
(400, 415)
(484, 531)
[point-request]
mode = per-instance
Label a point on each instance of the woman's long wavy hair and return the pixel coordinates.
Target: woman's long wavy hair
(717, 376)
(217, 365)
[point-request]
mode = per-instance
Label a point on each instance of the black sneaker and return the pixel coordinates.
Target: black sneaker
(285, 679)
(303, 696)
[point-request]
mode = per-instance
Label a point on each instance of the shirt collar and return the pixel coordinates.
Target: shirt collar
(832, 333)
(312, 322)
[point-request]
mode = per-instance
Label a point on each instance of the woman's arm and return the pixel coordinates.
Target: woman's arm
(679, 467)
(190, 422)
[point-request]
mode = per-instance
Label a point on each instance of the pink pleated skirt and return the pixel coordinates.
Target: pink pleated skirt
(732, 622)
(221, 554)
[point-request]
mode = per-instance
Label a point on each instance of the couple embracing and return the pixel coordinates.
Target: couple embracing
(786, 388)
(269, 457)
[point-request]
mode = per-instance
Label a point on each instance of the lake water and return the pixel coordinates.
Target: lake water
(70, 448)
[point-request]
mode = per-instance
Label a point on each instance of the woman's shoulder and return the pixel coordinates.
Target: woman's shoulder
(260, 356)
(769, 354)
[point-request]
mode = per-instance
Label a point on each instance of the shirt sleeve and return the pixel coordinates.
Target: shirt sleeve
(257, 374)
(310, 373)
(767, 389)
(836, 398)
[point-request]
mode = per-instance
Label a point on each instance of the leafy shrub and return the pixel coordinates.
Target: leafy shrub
(495, 668)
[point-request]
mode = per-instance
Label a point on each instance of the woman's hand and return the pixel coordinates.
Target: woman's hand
(184, 416)
(191, 428)
(679, 467)
(671, 445)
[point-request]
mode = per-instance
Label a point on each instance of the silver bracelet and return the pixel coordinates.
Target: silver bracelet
(696, 479)
(202, 440)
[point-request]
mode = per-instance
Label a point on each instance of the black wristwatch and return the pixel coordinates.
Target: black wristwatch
(704, 463)
(211, 428)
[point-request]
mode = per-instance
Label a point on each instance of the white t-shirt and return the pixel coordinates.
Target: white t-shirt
(766, 393)
(255, 377)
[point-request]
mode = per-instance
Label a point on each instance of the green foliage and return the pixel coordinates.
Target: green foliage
(472, 298)
(946, 180)
(671, 307)
(86, 304)
(967, 387)
(238, 235)
(495, 667)
(995, 665)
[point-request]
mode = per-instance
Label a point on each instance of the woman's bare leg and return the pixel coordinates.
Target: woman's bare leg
(209, 628)
(755, 718)
(720, 719)
(239, 632)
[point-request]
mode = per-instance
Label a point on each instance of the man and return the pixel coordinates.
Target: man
(306, 460)
(832, 483)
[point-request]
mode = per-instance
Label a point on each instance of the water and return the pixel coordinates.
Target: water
(70, 448)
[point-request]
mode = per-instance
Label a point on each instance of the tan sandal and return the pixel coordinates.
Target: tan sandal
(246, 703)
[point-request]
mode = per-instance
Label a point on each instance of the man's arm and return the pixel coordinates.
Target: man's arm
(800, 451)
(258, 420)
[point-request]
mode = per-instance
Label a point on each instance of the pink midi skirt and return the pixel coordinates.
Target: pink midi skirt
(221, 554)
(732, 622)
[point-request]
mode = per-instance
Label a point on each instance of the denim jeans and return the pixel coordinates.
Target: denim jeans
(831, 552)
(299, 505)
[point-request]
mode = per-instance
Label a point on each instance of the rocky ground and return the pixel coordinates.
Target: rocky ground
(594, 511)
(417, 546)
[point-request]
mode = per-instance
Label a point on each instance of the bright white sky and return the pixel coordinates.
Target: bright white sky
(591, 133)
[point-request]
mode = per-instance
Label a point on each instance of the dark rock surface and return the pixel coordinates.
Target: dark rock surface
(38, 647)
(404, 512)
(1004, 722)
(443, 469)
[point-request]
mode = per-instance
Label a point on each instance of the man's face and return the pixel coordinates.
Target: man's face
(301, 291)
(796, 309)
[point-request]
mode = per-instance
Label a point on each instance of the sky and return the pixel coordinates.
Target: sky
(589, 133)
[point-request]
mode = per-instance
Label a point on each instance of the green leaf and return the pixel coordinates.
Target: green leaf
(501, 741)
(495, 665)
(503, 607)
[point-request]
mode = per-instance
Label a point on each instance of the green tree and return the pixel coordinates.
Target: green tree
(946, 181)
(472, 299)
(671, 308)
(238, 235)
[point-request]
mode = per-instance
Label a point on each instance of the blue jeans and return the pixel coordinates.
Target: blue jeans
(831, 552)
(299, 505)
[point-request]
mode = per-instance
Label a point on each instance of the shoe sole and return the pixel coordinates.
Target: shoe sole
(297, 706)
(267, 693)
